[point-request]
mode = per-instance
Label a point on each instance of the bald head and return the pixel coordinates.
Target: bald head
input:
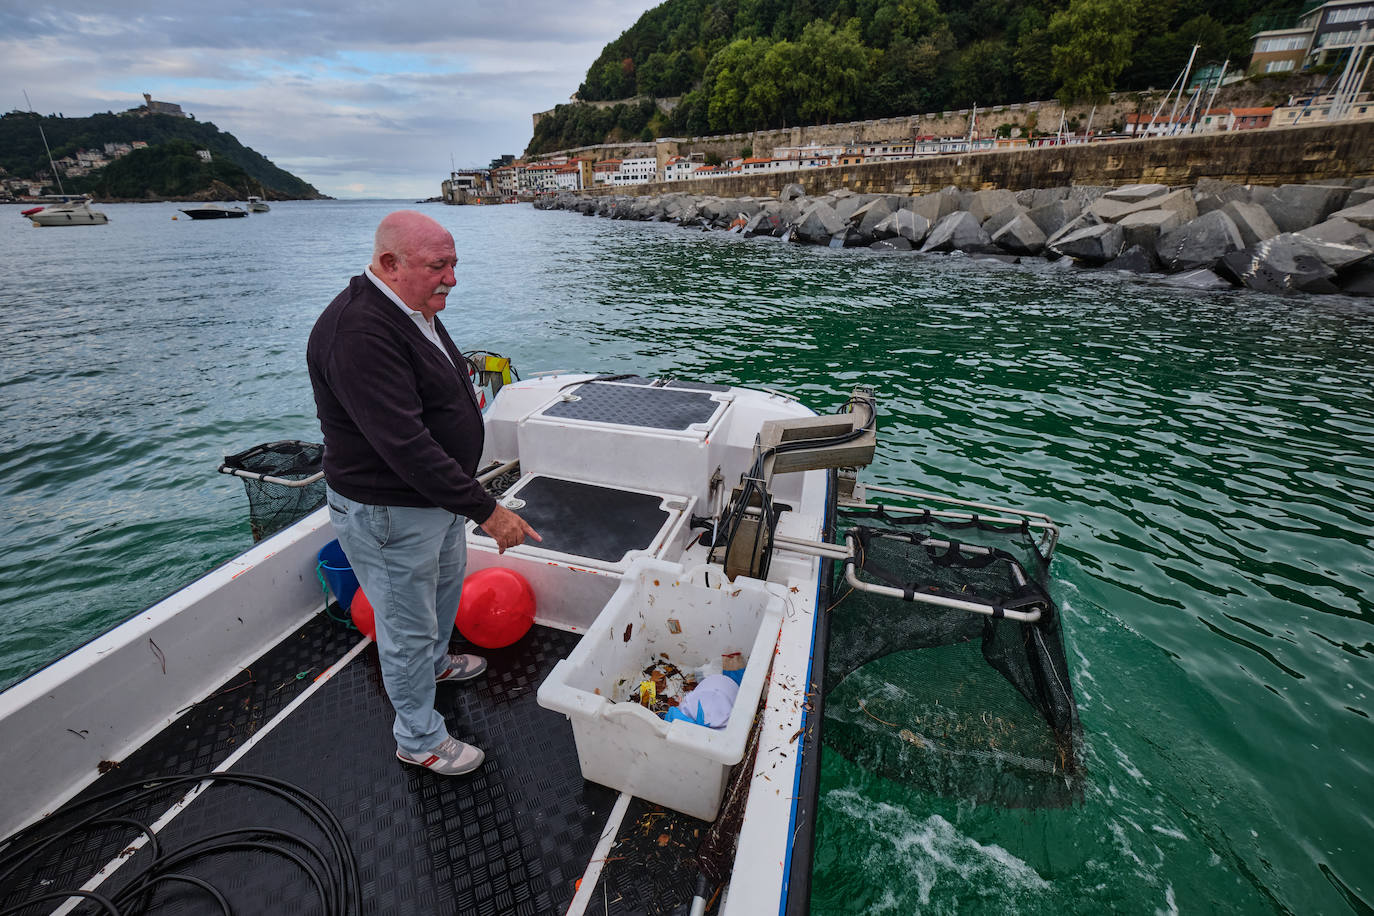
(402, 232)
(414, 255)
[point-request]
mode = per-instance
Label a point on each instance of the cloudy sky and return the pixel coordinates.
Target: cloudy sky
(360, 99)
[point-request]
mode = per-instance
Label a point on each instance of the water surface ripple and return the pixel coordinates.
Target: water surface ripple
(1211, 456)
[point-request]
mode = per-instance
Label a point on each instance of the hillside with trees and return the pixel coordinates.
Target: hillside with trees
(752, 64)
(135, 176)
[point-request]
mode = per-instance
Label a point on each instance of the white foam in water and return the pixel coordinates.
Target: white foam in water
(930, 852)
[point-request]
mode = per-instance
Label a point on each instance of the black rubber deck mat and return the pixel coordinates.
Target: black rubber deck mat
(512, 838)
(651, 868)
(636, 405)
(586, 520)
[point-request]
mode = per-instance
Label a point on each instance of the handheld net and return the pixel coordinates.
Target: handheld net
(284, 481)
(964, 704)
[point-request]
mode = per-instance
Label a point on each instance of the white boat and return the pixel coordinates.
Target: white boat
(68, 211)
(650, 497)
(214, 211)
(256, 205)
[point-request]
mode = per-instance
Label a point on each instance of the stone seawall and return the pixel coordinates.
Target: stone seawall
(1273, 156)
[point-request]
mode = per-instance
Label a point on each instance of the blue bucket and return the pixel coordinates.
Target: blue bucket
(338, 575)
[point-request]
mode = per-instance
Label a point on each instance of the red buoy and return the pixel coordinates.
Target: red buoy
(497, 608)
(361, 611)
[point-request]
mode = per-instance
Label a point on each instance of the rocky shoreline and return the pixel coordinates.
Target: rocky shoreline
(1311, 238)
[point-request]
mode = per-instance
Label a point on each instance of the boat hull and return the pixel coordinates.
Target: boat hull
(215, 214)
(78, 217)
(209, 649)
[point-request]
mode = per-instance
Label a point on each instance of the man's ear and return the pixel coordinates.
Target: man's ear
(388, 261)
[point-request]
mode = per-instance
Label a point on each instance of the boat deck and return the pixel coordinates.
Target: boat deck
(515, 837)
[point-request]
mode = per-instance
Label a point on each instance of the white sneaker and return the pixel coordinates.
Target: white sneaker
(451, 758)
(461, 668)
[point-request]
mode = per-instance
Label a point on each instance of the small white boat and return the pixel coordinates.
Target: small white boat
(68, 211)
(256, 205)
(215, 211)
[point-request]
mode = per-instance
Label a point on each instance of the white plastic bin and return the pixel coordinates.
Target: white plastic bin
(679, 765)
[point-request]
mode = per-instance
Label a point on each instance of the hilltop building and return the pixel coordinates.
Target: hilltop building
(151, 107)
(1325, 33)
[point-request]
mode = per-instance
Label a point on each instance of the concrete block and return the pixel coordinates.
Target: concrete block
(983, 204)
(1053, 216)
(958, 232)
(1134, 193)
(1342, 231)
(1252, 220)
(1143, 228)
(1200, 243)
(1021, 236)
(1092, 245)
(1001, 218)
(1297, 206)
(1112, 211)
(1361, 215)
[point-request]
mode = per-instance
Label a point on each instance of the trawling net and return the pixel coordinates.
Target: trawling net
(283, 480)
(958, 703)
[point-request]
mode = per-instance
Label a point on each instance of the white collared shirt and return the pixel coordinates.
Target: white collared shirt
(426, 325)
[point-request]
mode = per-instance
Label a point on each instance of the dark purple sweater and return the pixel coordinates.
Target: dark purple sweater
(401, 424)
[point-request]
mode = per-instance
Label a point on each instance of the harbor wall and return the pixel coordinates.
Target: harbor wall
(1274, 156)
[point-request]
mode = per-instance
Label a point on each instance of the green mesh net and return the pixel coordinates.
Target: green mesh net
(283, 481)
(958, 703)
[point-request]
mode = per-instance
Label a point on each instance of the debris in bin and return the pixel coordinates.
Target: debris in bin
(658, 686)
(661, 686)
(710, 704)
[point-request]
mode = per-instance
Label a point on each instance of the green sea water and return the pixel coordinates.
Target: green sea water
(1211, 457)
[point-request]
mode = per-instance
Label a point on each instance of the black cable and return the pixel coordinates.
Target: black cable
(341, 885)
(104, 902)
(203, 885)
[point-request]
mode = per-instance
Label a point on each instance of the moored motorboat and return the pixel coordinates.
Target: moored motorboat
(67, 211)
(666, 507)
(214, 211)
(256, 205)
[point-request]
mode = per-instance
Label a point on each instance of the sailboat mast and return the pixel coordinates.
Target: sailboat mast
(52, 165)
(1182, 87)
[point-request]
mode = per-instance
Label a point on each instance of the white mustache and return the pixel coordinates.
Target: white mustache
(442, 289)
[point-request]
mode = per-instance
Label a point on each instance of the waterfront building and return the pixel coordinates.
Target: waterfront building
(637, 170)
(503, 179)
(541, 176)
(1337, 27)
(678, 168)
(604, 172)
(1325, 33)
(1151, 125)
(1316, 109)
(569, 176)
(1279, 51)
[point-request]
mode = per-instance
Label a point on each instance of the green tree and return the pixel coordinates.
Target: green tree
(838, 65)
(984, 74)
(730, 75)
(1092, 44)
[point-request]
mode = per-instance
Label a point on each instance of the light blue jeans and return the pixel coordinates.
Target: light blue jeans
(410, 563)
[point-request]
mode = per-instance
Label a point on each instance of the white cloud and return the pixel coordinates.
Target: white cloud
(360, 99)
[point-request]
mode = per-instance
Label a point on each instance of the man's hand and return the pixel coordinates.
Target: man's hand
(507, 529)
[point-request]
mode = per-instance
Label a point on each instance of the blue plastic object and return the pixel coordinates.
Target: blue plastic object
(338, 575)
(677, 715)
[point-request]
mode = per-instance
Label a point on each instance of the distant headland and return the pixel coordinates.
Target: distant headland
(154, 151)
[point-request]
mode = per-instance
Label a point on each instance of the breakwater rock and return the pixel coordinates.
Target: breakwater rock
(1312, 238)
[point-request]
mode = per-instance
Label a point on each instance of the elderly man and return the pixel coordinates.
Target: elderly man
(402, 438)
